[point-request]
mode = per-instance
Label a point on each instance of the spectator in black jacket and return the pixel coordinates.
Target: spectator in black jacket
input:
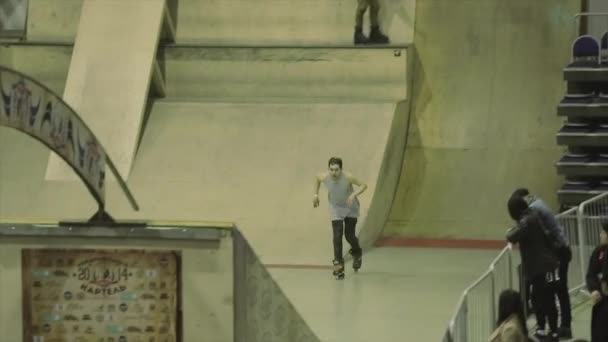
(561, 246)
(539, 262)
(597, 283)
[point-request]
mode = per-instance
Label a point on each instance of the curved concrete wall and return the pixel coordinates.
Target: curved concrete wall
(486, 86)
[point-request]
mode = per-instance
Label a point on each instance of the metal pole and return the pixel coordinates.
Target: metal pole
(586, 14)
(510, 265)
(492, 299)
(465, 319)
(581, 239)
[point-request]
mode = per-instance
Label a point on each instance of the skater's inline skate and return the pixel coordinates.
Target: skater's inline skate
(357, 259)
(338, 269)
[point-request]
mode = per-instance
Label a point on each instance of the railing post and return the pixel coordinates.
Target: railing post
(492, 297)
(465, 320)
(582, 245)
(510, 265)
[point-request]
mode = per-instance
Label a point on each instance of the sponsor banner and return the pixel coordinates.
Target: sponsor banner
(100, 295)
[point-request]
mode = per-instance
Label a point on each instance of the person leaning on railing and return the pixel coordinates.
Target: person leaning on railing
(597, 284)
(539, 262)
(557, 236)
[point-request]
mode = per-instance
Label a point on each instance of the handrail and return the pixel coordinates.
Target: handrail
(586, 14)
(506, 252)
(487, 274)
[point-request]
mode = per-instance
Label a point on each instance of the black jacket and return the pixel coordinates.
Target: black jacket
(598, 266)
(537, 256)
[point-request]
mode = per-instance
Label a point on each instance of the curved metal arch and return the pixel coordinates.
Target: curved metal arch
(32, 108)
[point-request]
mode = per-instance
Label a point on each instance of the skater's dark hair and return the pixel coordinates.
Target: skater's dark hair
(510, 303)
(517, 206)
(605, 226)
(521, 192)
(335, 161)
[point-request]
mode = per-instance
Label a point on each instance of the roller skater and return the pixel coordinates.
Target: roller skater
(344, 210)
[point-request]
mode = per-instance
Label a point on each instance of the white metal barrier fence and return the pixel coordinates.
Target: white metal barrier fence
(591, 215)
(476, 312)
(569, 221)
(475, 316)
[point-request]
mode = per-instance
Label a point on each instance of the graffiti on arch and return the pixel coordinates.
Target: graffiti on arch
(33, 109)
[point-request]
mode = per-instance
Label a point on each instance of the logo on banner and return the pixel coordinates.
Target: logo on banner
(103, 276)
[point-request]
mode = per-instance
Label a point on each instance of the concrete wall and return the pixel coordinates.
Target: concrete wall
(6, 57)
(49, 65)
(286, 74)
(263, 313)
(486, 85)
(206, 275)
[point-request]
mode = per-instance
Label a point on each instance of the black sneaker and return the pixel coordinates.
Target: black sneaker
(359, 38)
(377, 37)
(564, 333)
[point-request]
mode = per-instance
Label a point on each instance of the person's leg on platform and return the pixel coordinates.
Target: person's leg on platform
(375, 34)
(359, 37)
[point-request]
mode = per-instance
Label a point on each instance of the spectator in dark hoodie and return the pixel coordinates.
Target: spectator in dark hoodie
(539, 262)
(597, 284)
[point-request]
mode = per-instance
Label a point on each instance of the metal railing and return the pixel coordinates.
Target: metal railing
(591, 214)
(587, 16)
(475, 316)
(569, 221)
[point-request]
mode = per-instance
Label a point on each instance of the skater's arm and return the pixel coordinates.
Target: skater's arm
(354, 180)
(317, 185)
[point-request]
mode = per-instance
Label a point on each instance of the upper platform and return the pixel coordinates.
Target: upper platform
(245, 22)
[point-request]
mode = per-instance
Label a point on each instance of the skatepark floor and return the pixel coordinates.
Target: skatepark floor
(400, 294)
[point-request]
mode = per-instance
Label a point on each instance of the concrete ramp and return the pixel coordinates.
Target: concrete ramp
(240, 137)
(256, 165)
(110, 74)
(483, 115)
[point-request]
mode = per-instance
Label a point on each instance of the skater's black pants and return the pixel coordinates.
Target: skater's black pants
(345, 227)
(543, 300)
(599, 317)
(565, 256)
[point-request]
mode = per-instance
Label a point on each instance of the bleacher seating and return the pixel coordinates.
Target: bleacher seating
(585, 131)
